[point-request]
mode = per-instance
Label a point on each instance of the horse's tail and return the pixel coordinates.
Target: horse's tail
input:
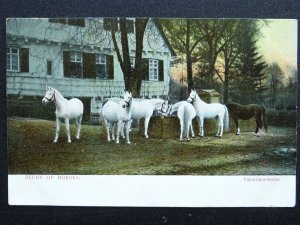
(185, 118)
(264, 118)
(226, 119)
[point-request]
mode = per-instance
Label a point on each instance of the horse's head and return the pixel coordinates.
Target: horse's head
(49, 96)
(127, 99)
(166, 108)
(192, 96)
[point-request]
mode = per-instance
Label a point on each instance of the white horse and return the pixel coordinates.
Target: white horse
(143, 108)
(186, 113)
(65, 109)
(204, 110)
(118, 112)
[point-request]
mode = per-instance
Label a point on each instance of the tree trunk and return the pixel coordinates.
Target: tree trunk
(136, 81)
(126, 67)
(189, 57)
(226, 78)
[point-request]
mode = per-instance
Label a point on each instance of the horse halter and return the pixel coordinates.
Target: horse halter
(193, 99)
(52, 97)
(168, 110)
(127, 103)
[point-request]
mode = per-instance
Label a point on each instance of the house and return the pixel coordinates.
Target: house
(210, 95)
(77, 56)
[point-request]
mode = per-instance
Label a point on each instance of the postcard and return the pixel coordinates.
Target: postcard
(151, 112)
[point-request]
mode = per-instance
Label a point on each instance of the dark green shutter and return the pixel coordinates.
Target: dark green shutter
(110, 66)
(161, 70)
(66, 63)
(89, 65)
(145, 69)
(76, 22)
(24, 60)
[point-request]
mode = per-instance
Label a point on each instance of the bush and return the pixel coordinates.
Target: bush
(282, 118)
(32, 107)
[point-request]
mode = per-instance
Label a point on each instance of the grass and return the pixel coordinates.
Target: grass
(31, 151)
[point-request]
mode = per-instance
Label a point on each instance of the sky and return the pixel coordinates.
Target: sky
(278, 42)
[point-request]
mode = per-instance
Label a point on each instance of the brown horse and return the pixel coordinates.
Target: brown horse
(246, 112)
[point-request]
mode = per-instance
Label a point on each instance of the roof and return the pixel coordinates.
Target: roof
(210, 91)
(162, 33)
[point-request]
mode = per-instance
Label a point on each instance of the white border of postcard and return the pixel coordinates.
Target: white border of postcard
(152, 191)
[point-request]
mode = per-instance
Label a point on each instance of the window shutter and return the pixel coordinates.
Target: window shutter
(66, 59)
(24, 60)
(161, 70)
(76, 22)
(89, 65)
(110, 66)
(145, 69)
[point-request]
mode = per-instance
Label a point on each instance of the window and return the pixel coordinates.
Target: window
(101, 66)
(17, 59)
(153, 69)
(107, 23)
(88, 65)
(49, 67)
(75, 64)
(132, 62)
(12, 59)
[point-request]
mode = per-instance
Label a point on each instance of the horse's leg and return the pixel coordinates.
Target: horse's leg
(122, 130)
(107, 125)
(201, 127)
(112, 126)
(127, 127)
(147, 119)
(236, 121)
(181, 129)
(58, 122)
(188, 131)
(130, 122)
(192, 130)
(199, 124)
(78, 122)
(120, 125)
(67, 123)
(257, 126)
(221, 119)
(219, 126)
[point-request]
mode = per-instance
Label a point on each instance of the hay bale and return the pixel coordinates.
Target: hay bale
(165, 127)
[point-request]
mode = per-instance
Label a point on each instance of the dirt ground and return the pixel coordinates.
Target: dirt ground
(31, 151)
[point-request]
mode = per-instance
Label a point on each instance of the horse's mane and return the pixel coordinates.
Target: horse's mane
(57, 92)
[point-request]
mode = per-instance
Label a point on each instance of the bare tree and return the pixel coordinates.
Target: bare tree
(132, 78)
(182, 34)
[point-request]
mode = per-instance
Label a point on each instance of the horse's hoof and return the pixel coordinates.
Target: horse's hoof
(77, 138)
(237, 134)
(129, 143)
(55, 141)
(193, 136)
(146, 136)
(188, 140)
(180, 140)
